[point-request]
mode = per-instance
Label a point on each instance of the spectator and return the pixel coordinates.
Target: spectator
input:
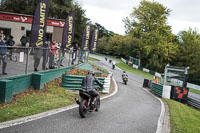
(62, 54)
(3, 35)
(52, 54)
(45, 55)
(74, 53)
(2, 55)
(24, 40)
(38, 52)
(10, 43)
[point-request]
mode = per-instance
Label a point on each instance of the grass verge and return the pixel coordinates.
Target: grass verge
(93, 59)
(32, 102)
(101, 68)
(194, 91)
(125, 67)
(183, 119)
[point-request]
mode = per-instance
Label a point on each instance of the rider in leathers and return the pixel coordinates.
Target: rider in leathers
(88, 84)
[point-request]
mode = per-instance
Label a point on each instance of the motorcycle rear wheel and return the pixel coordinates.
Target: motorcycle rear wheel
(83, 108)
(98, 104)
(125, 82)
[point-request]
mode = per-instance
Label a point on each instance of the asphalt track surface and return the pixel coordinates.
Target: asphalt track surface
(131, 110)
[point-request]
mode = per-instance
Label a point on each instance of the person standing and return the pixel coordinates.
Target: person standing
(3, 35)
(24, 40)
(45, 55)
(74, 53)
(52, 54)
(2, 55)
(10, 43)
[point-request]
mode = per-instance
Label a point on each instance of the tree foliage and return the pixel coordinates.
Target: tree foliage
(58, 9)
(148, 23)
(189, 53)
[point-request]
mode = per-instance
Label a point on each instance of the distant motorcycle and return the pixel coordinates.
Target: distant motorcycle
(125, 80)
(113, 66)
(85, 104)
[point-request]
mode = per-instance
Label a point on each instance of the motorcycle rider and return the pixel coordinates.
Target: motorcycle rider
(88, 85)
(113, 65)
(124, 75)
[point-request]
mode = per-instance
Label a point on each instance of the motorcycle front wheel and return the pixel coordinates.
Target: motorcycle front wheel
(83, 108)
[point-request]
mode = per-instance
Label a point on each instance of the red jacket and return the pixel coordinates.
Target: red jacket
(53, 48)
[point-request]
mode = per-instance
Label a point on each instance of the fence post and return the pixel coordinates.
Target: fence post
(27, 60)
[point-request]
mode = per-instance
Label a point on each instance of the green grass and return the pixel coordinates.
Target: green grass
(106, 71)
(183, 119)
(36, 102)
(125, 67)
(194, 91)
(93, 59)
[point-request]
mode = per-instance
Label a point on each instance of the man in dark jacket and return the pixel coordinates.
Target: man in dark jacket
(2, 55)
(74, 52)
(10, 43)
(88, 85)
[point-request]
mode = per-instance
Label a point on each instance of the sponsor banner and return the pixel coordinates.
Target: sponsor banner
(94, 40)
(38, 30)
(86, 37)
(68, 31)
(28, 19)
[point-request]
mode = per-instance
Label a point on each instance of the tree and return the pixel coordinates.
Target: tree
(148, 23)
(189, 53)
(58, 9)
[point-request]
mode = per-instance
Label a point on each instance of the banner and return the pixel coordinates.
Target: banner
(68, 31)
(86, 37)
(93, 46)
(27, 19)
(38, 30)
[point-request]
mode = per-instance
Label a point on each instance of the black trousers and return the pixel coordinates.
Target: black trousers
(93, 93)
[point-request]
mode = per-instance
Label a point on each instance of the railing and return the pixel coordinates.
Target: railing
(24, 60)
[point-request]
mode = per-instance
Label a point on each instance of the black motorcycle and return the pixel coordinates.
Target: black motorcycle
(125, 80)
(113, 66)
(85, 104)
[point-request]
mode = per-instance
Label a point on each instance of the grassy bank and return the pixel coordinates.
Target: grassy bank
(183, 119)
(32, 102)
(194, 91)
(93, 59)
(127, 68)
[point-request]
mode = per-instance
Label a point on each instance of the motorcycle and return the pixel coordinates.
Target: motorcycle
(113, 66)
(125, 80)
(85, 104)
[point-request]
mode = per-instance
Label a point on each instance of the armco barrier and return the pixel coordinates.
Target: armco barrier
(73, 82)
(16, 84)
(157, 89)
(193, 102)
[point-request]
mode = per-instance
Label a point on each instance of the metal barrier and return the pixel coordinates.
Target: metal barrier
(24, 60)
(194, 102)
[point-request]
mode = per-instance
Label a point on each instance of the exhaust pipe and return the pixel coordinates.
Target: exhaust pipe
(77, 101)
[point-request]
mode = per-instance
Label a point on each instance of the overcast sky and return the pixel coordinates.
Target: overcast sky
(109, 13)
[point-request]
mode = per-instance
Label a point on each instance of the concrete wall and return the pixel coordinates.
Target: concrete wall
(16, 29)
(16, 84)
(58, 31)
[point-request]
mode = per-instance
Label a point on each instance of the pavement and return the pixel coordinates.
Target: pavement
(131, 110)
